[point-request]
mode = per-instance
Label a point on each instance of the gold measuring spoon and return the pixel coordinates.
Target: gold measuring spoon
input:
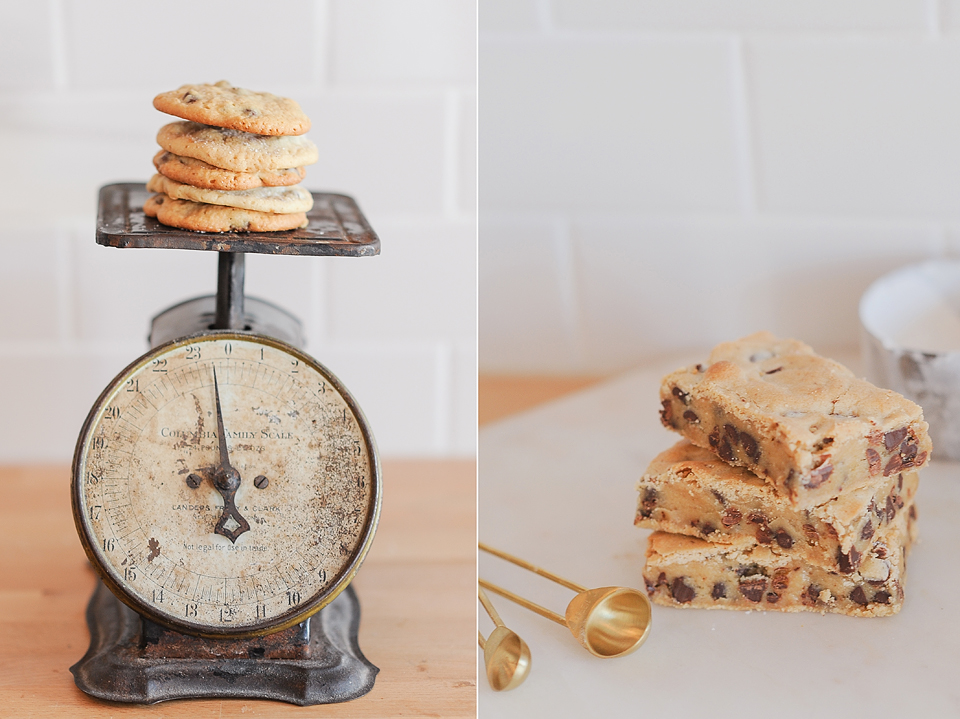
(505, 655)
(608, 621)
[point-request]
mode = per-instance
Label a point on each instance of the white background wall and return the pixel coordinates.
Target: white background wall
(390, 87)
(663, 175)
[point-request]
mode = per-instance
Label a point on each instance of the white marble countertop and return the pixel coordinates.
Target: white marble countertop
(557, 488)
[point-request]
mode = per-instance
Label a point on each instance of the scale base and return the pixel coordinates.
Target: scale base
(319, 663)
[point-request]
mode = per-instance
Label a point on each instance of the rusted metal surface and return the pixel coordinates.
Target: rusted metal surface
(158, 642)
(199, 315)
(316, 662)
(336, 227)
(152, 537)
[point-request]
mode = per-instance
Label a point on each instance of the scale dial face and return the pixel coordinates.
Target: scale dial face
(226, 484)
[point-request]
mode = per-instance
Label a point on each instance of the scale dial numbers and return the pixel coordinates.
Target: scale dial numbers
(226, 484)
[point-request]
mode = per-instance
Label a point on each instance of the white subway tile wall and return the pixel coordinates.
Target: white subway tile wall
(662, 175)
(391, 88)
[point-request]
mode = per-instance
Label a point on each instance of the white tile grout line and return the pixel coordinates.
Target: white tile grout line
(65, 286)
(76, 348)
(743, 128)
(58, 44)
(451, 154)
(933, 13)
(329, 51)
(930, 25)
(444, 397)
(732, 219)
(544, 16)
(322, 51)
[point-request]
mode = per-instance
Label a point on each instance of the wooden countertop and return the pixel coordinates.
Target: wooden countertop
(416, 589)
(500, 396)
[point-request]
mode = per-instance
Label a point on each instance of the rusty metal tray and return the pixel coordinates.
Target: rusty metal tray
(337, 227)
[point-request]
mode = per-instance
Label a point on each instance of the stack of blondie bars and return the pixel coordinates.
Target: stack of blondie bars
(793, 489)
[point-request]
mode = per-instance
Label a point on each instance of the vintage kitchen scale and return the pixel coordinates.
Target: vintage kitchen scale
(226, 488)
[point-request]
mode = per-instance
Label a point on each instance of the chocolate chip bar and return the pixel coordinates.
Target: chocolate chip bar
(804, 423)
(689, 490)
(683, 571)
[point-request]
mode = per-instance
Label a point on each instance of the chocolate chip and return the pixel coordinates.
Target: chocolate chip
(875, 509)
(749, 570)
(714, 438)
(773, 371)
(719, 591)
(867, 531)
(894, 438)
(699, 368)
(731, 434)
(790, 480)
(921, 458)
(909, 451)
(848, 562)
(189, 99)
(913, 511)
(891, 509)
(764, 535)
(823, 444)
(691, 416)
(781, 579)
(720, 497)
(873, 461)
(681, 592)
(707, 528)
(684, 472)
(725, 451)
(811, 533)
(811, 595)
(859, 596)
(900, 481)
(784, 539)
(855, 557)
(753, 589)
(749, 445)
(681, 395)
(666, 414)
(731, 517)
(650, 497)
(819, 475)
(662, 579)
(882, 597)
(756, 518)
(772, 597)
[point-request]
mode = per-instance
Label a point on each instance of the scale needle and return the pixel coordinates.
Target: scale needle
(227, 480)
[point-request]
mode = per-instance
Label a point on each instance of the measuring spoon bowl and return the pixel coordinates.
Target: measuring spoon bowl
(610, 621)
(507, 659)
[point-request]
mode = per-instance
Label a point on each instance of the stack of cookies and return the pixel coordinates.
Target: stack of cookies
(793, 489)
(233, 164)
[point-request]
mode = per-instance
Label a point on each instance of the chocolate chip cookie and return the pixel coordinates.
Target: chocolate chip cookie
(234, 149)
(223, 105)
